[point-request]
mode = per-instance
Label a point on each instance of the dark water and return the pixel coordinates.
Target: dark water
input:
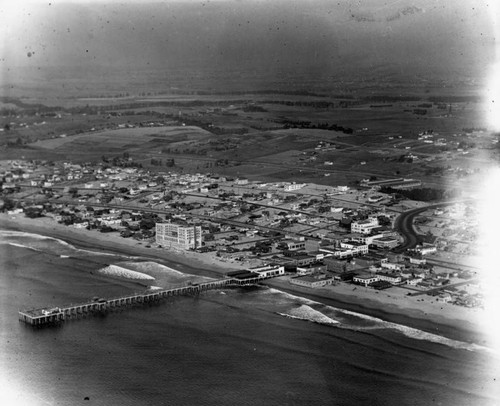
(232, 348)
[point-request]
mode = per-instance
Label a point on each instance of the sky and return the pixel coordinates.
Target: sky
(276, 36)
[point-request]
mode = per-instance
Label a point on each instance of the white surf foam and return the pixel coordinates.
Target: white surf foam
(163, 270)
(153, 267)
(376, 323)
(9, 233)
(15, 244)
(114, 270)
(305, 312)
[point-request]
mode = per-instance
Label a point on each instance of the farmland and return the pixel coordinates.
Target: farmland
(321, 138)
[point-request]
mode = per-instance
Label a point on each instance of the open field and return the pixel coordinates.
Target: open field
(324, 138)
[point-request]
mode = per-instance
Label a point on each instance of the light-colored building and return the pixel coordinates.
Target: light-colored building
(312, 281)
(391, 278)
(180, 236)
(385, 242)
(426, 249)
(365, 279)
(268, 271)
(293, 186)
(364, 226)
(347, 249)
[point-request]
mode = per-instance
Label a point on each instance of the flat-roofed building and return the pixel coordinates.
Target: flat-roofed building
(312, 281)
(365, 279)
(181, 236)
(311, 269)
(388, 277)
(385, 242)
(364, 226)
(268, 271)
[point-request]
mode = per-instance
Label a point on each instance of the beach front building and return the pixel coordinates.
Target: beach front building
(268, 271)
(312, 281)
(181, 236)
(365, 279)
(394, 279)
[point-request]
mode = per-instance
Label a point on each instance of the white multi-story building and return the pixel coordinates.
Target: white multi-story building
(178, 235)
(364, 226)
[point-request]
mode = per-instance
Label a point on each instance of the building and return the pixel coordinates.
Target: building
(347, 249)
(311, 269)
(426, 249)
(365, 280)
(385, 242)
(268, 271)
(337, 265)
(311, 281)
(293, 245)
(399, 183)
(294, 186)
(181, 236)
(357, 247)
(302, 260)
(364, 226)
(388, 277)
(393, 266)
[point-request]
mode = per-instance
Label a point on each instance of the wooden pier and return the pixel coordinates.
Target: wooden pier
(55, 315)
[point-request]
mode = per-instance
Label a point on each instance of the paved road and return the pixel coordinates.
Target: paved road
(404, 225)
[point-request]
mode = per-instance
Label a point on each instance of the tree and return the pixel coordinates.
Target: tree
(7, 204)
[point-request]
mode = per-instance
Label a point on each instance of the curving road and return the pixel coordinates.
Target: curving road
(404, 225)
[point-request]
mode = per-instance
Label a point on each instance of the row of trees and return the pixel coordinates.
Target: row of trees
(421, 194)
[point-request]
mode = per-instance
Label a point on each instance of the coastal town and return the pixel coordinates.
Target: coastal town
(312, 236)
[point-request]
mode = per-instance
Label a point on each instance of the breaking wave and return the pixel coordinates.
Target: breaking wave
(15, 244)
(115, 270)
(305, 312)
(35, 242)
(317, 312)
(164, 275)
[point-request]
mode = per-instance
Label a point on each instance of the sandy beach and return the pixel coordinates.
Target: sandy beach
(422, 312)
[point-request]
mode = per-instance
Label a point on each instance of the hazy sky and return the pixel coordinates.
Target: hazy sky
(403, 35)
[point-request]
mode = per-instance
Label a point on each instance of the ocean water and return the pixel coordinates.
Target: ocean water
(248, 346)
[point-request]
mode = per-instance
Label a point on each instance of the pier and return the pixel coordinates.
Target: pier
(55, 315)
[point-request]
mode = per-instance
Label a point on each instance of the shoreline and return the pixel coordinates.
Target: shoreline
(340, 297)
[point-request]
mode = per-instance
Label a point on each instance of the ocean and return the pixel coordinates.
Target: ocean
(246, 346)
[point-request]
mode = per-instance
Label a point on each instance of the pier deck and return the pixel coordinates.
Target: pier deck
(47, 316)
